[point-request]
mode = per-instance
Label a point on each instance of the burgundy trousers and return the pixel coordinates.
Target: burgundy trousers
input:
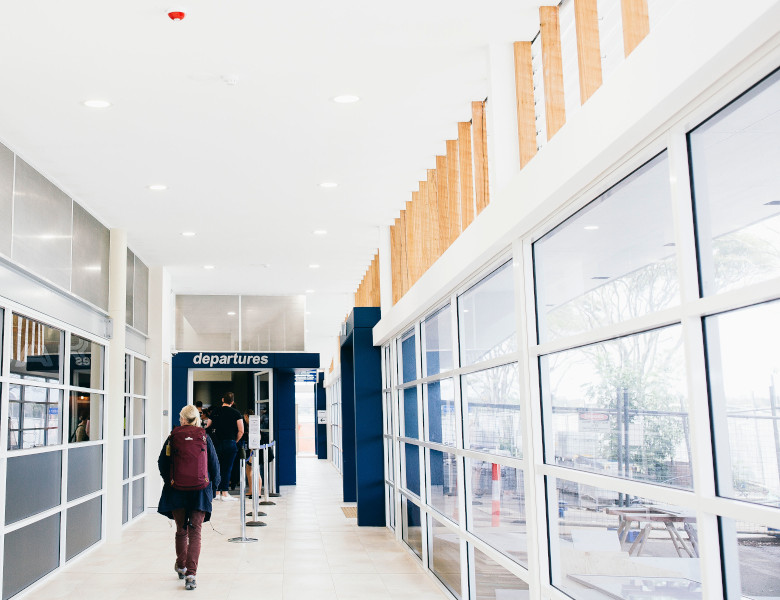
(188, 538)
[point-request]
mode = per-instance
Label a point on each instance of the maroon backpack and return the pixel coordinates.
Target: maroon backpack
(188, 450)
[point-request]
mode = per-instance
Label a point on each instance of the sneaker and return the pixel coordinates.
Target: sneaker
(229, 499)
(181, 571)
(189, 582)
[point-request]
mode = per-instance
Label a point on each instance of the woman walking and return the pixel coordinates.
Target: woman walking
(190, 470)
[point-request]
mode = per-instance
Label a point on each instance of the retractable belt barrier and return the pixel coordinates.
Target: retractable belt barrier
(256, 493)
(242, 504)
(269, 476)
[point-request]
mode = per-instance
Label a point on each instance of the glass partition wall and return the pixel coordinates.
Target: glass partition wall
(595, 414)
(52, 400)
(134, 452)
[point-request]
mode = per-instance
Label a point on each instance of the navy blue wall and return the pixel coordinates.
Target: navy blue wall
(348, 468)
(320, 430)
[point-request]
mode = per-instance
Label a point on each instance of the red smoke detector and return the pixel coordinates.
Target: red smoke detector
(176, 14)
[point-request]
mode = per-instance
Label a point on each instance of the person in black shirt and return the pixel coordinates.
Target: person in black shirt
(228, 426)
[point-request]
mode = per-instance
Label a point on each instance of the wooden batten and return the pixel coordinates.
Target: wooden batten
(466, 178)
(636, 23)
(524, 90)
(395, 258)
(431, 227)
(453, 192)
(413, 238)
(443, 212)
(554, 101)
(403, 236)
(586, 18)
(481, 184)
(376, 295)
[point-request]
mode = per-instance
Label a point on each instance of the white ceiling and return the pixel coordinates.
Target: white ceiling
(243, 162)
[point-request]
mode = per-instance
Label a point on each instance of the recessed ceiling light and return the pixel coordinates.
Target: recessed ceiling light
(97, 103)
(600, 277)
(231, 314)
(309, 292)
(591, 227)
(209, 267)
(346, 99)
(308, 312)
(92, 268)
(158, 187)
(328, 184)
(320, 232)
(188, 233)
(314, 266)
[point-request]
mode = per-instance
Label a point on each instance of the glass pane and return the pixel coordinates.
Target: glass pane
(444, 555)
(441, 412)
(86, 363)
(83, 526)
(125, 502)
(437, 342)
(139, 377)
(33, 416)
(85, 471)
(127, 416)
(412, 468)
(139, 457)
(138, 496)
(443, 474)
(86, 417)
(272, 323)
(486, 318)
(497, 507)
(90, 258)
(411, 413)
(412, 529)
(612, 261)
(620, 545)
(126, 459)
(6, 199)
(744, 372)
(494, 582)
(407, 358)
(129, 288)
(491, 400)
(33, 485)
(139, 418)
(734, 157)
(620, 408)
(750, 552)
(207, 323)
(141, 297)
(36, 552)
(35, 350)
(128, 362)
(42, 220)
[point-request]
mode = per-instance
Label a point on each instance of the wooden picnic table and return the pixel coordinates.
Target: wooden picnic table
(651, 515)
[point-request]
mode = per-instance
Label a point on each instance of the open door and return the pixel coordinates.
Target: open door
(264, 406)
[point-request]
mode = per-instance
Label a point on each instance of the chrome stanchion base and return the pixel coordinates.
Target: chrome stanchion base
(275, 495)
(267, 503)
(242, 540)
(255, 524)
(259, 514)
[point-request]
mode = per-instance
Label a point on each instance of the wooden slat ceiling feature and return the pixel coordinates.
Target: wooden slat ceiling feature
(466, 177)
(586, 20)
(396, 260)
(479, 128)
(443, 209)
(636, 23)
(453, 191)
(524, 90)
(555, 104)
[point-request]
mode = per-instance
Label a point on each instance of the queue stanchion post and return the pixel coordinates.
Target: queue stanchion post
(267, 483)
(242, 504)
(274, 493)
(255, 512)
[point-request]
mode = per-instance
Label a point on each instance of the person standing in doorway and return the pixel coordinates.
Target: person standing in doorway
(228, 427)
(184, 500)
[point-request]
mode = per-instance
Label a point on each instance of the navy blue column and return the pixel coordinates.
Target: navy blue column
(320, 430)
(348, 467)
(284, 426)
(179, 377)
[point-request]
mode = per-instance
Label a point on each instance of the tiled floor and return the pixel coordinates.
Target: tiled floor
(308, 550)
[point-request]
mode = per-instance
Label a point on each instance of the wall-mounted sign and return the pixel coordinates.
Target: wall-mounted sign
(219, 359)
(595, 422)
(322, 417)
(254, 432)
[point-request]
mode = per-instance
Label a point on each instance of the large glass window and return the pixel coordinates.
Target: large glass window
(620, 408)
(744, 375)
(444, 555)
(411, 531)
(491, 399)
(443, 474)
(437, 342)
(34, 416)
(441, 412)
(412, 468)
(35, 351)
(134, 431)
(486, 318)
(751, 553)
(86, 363)
(407, 358)
(86, 417)
(496, 509)
(494, 582)
(734, 159)
(411, 413)
(642, 549)
(612, 261)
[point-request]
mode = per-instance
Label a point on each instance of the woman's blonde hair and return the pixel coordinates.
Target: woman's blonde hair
(189, 415)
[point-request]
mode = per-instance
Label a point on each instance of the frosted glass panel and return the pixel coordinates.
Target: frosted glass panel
(33, 485)
(6, 198)
(36, 552)
(141, 297)
(83, 528)
(85, 471)
(204, 323)
(41, 226)
(90, 258)
(272, 323)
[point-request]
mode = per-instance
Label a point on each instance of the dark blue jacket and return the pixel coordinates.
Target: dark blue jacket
(171, 499)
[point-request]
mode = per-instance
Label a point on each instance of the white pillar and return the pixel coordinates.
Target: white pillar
(503, 146)
(385, 270)
(158, 347)
(113, 427)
